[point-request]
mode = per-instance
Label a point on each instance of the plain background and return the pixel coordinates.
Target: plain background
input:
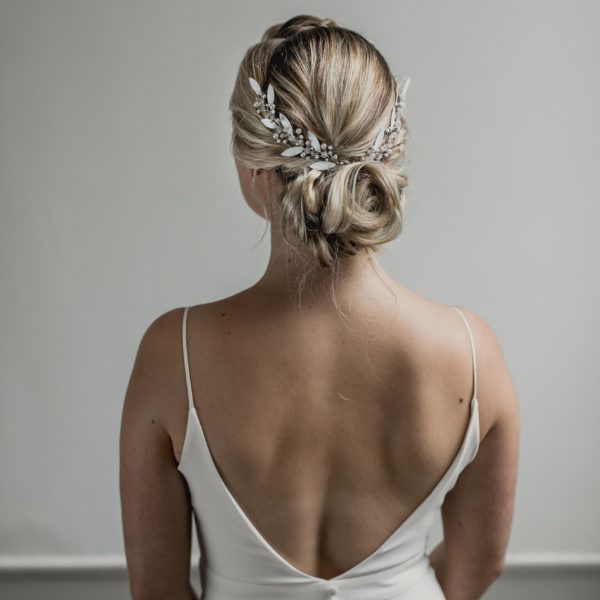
(120, 201)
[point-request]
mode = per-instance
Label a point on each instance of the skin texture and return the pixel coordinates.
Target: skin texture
(289, 393)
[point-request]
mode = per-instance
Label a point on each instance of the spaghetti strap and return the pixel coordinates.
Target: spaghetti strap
(186, 364)
(473, 354)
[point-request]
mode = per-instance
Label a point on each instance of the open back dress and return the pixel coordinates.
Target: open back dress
(237, 563)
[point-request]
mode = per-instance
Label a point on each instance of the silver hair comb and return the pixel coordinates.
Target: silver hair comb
(324, 156)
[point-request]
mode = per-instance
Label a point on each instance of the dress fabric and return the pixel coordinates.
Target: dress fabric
(237, 562)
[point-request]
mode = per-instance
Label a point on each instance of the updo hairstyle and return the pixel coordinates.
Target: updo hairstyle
(334, 82)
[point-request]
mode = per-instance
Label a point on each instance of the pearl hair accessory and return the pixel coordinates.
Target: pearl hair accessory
(324, 155)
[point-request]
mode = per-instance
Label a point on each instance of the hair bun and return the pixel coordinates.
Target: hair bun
(356, 207)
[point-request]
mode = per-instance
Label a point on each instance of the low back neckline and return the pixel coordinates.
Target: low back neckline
(194, 425)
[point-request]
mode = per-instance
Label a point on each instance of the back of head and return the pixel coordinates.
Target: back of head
(331, 81)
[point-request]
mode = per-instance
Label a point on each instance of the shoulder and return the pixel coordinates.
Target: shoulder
(161, 330)
(155, 382)
(490, 358)
(164, 333)
(161, 345)
(481, 329)
(441, 333)
(495, 386)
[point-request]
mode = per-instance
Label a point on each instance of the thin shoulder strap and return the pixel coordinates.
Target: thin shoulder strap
(186, 363)
(473, 353)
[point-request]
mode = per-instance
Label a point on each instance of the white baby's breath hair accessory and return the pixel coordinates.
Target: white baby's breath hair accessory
(324, 156)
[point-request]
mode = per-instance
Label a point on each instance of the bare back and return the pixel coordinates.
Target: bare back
(329, 436)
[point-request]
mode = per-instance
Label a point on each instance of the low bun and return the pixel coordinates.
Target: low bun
(357, 207)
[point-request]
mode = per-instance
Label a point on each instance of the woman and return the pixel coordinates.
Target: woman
(313, 423)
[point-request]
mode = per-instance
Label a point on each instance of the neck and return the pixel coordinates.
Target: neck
(294, 271)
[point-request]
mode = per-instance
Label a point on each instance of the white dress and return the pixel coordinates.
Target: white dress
(237, 563)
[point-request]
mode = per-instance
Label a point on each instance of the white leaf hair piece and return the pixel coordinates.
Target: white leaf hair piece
(405, 87)
(293, 151)
(401, 93)
(378, 139)
(286, 123)
(314, 140)
(265, 107)
(322, 165)
(255, 86)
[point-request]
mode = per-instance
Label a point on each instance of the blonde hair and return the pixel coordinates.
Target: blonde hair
(334, 82)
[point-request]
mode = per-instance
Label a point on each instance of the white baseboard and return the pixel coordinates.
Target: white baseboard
(115, 563)
(530, 575)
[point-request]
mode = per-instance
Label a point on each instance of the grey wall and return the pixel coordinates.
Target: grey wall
(119, 200)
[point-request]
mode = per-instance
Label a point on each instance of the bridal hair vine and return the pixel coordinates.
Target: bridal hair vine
(324, 156)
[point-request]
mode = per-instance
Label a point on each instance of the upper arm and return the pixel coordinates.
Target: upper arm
(155, 503)
(477, 513)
